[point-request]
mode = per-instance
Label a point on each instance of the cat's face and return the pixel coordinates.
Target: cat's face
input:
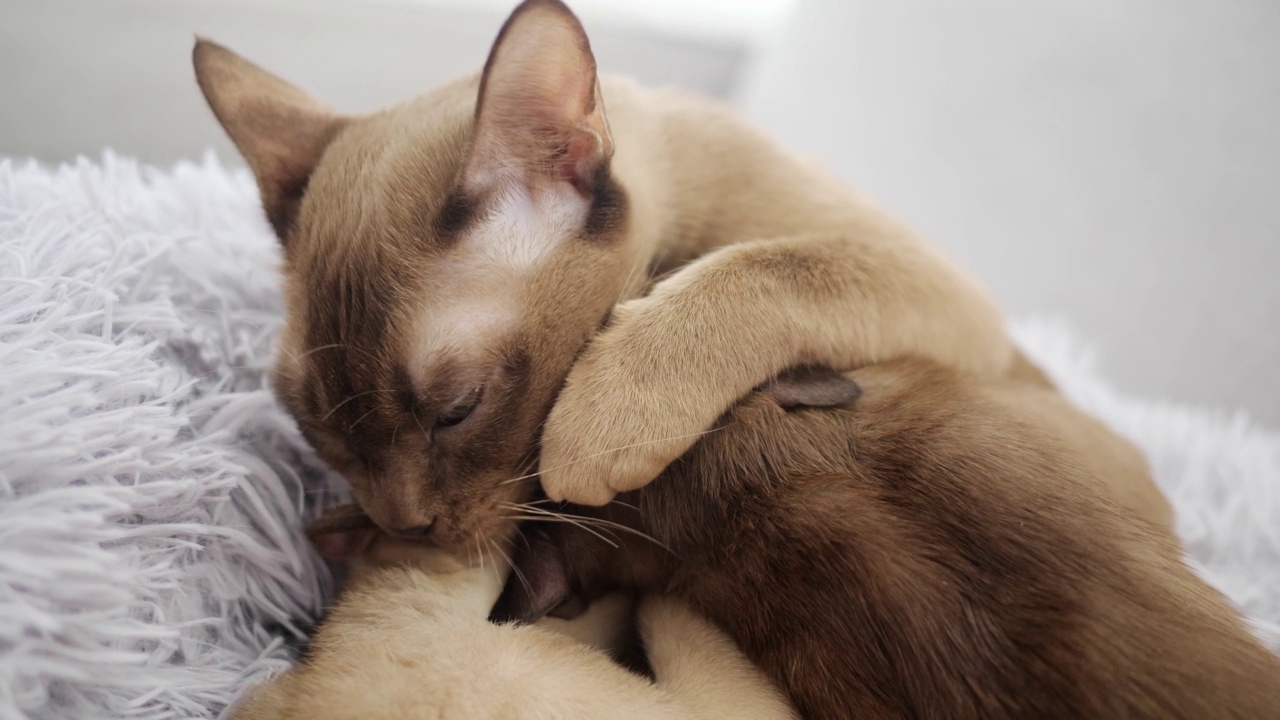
(444, 263)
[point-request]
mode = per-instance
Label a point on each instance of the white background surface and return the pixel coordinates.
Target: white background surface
(1116, 162)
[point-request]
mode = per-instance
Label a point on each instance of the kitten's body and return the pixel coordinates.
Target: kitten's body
(447, 261)
(409, 641)
(944, 548)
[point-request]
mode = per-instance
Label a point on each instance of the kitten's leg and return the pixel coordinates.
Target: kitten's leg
(604, 625)
(672, 362)
(702, 669)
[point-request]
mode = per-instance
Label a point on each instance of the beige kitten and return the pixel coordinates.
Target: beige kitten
(447, 260)
(409, 640)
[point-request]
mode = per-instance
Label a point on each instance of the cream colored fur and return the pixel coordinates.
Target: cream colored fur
(410, 640)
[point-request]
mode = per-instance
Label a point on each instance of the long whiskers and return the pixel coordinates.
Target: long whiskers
(612, 450)
(345, 346)
(511, 564)
(586, 523)
(579, 522)
(638, 268)
(358, 395)
(418, 422)
(297, 359)
(361, 419)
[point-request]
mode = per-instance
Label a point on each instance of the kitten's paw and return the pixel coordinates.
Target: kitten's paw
(631, 406)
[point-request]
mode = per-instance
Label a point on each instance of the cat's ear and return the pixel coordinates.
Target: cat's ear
(813, 387)
(280, 129)
(539, 113)
(539, 583)
(342, 533)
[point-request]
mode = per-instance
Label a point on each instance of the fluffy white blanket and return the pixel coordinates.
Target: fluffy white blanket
(152, 493)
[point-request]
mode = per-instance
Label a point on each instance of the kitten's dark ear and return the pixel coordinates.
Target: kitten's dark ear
(812, 386)
(539, 585)
(539, 114)
(342, 533)
(279, 129)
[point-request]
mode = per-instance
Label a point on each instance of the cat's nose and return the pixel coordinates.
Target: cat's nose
(412, 530)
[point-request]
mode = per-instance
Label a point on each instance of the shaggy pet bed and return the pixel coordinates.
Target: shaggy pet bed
(152, 493)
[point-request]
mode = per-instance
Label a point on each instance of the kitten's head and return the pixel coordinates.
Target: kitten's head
(444, 262)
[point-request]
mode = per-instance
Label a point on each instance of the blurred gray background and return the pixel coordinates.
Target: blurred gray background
(1112, 162)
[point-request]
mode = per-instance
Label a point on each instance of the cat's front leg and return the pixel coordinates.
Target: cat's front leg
(701, 667)
(672, 362)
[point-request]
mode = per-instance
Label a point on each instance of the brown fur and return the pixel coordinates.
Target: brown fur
(944, 548)
(413, 279)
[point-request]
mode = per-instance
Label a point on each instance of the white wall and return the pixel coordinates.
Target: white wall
(1116, 161)
(1113, 161)
(80, 75)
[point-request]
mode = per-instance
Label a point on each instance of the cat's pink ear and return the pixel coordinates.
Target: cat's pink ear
(279, 129)
(539, 114)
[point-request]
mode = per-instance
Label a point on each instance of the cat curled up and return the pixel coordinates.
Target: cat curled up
(409, 640)
(448, 263)
(909, 541)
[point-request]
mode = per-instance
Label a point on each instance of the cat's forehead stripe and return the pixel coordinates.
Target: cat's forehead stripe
(520, 231)
(476, 299)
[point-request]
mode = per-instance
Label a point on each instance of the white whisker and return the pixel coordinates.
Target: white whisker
(612, 450)
(418, 422)
(570, 520)
(601, 523)
(335, 408)
(361, 418)
(511, 564)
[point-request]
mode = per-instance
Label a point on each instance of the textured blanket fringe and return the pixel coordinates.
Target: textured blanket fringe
(150, 489)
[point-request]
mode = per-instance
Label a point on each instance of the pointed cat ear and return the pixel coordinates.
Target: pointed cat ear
(342, 533)
(279, 129)
(539, 114)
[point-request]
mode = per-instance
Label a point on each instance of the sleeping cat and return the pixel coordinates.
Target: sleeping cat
(447, 260)
(912, 542)
(409, 640)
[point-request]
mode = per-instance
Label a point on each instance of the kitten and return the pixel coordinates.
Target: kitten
(409, 639)
(942, 547)
(447, 260)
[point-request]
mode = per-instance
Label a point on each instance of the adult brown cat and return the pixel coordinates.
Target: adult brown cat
(447, 260)
(942, 547)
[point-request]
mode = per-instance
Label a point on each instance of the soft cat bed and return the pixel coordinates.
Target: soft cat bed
(152, 494)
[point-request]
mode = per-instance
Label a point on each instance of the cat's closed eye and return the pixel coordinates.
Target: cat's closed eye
(461, 409)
